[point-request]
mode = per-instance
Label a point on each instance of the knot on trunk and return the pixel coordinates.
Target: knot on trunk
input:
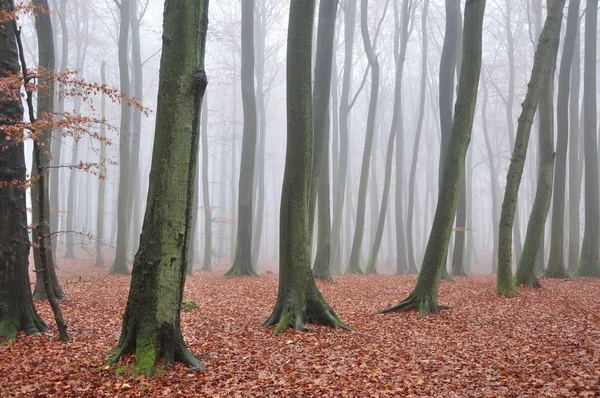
(200, 81)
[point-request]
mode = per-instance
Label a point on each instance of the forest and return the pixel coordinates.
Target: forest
(300, 198)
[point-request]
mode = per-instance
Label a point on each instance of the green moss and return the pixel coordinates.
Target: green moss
(8, 330)
(189, 304)
(121, 369)
(146, 354)
(285, 321)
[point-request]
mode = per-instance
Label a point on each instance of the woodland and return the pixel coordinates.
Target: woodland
(299, 198)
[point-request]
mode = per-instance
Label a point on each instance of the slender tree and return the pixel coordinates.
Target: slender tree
(419, 129)
(151, 322)
(556, 266)
(298, 299)
(208, 251)
(541, 63)
(123, 217)
(320, 162)
(589, 261)
(242, 258)
(526, 270)
(369, 45)
(424, 296)
(102, 183)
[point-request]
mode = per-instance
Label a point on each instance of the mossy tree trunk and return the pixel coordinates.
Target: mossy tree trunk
(589, 261)
(542, 62)
(424, 296)
(151, 322)
(298, 300)
(123, 217)
(526, 270)
(17, 311)
(556, 266)
(320, 191)
(242, 257)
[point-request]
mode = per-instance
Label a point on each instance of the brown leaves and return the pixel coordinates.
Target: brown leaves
(543, 342)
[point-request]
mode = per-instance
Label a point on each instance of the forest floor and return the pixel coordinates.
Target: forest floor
(544, 342)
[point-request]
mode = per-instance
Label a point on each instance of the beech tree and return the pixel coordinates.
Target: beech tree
(424, 297)
(151, 322)
(298, 299)
(541, 63)
(242, 257)
(17, 311)
(589, 261)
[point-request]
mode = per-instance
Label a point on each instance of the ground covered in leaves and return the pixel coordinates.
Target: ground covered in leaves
(543, 342)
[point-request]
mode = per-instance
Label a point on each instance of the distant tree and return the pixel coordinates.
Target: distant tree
(151, 322)
(589, 262)
(298, 299)
(541, 63)
(208, 250)
(123, 218)
(424, 297)
(369, 45)
(102, 184)
(242, 260)
(401, 34)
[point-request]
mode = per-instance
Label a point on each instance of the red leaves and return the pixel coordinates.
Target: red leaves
(544, 342)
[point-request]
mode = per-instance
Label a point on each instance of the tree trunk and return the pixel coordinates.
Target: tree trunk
(123, 217)
(17, 311)
(415, 152)
(526, 270)
(208, 250)
(589, 262)
(574, 157)
(298, 300)
(102, 181)
(320, 162)
(344, 115)
(359, 230)
(45, 106)
(556, 266)
(242, 260)
(151, 322)
(541, 63)
(424, 296)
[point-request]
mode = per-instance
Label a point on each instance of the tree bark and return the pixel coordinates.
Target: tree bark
(242, 260)
(424, 296)
(556, 266)
(151, 322)
(17, 311)
(589, 261)
(541, 63)
(298, 299)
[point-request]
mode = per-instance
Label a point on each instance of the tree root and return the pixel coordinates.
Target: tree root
(237, 271)
(290, 315)
(424, 304)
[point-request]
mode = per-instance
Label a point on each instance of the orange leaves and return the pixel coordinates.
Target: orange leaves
(544, 342)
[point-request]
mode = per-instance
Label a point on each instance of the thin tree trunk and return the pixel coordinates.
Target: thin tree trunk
(102, 181)
(208, 238)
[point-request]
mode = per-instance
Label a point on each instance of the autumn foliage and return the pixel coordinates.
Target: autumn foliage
(545, 342)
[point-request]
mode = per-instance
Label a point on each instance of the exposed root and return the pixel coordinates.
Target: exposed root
(354, 271)
(240, 271)
(291, 316)
(425, 304)
(183, 355)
